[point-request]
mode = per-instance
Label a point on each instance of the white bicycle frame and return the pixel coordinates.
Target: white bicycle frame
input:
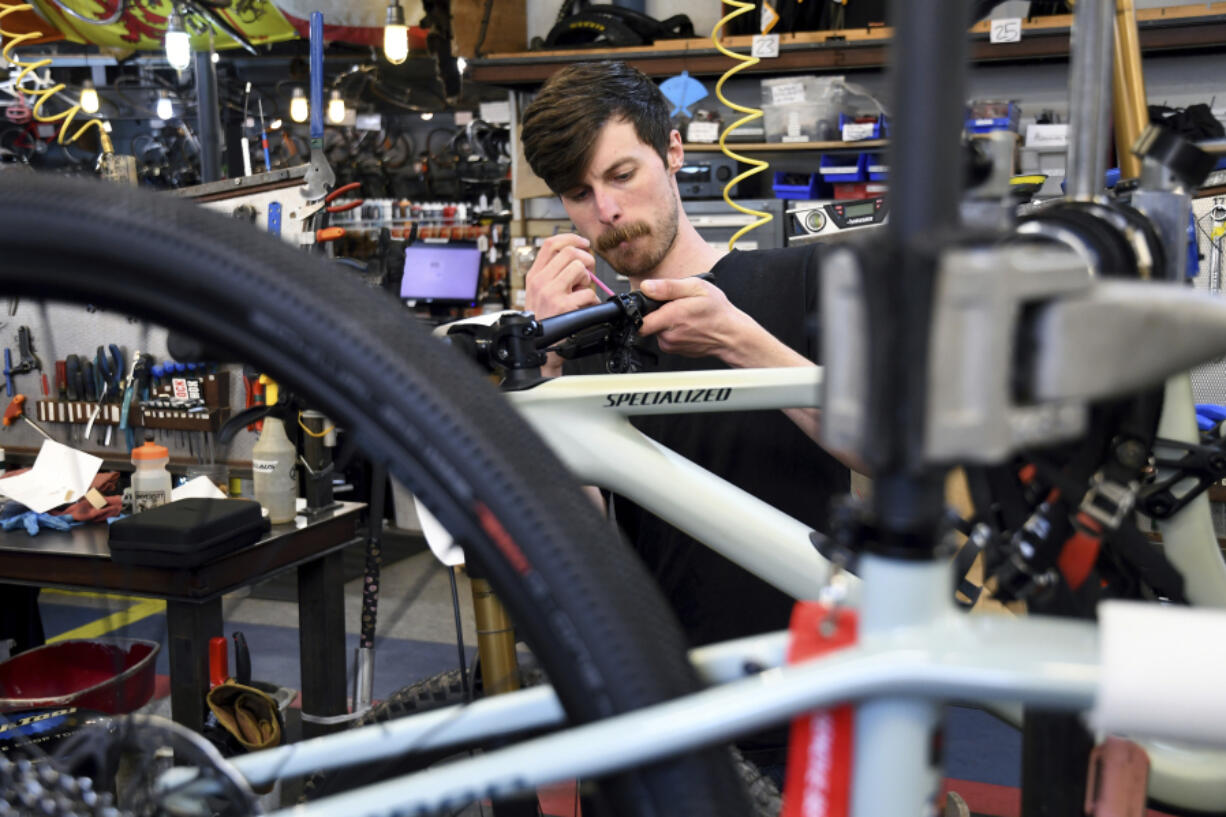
(916, 648)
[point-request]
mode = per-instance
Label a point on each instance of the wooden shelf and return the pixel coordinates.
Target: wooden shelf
(770, 147)
(1197, 26)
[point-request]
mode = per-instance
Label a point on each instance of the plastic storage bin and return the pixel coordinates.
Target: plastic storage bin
(798, 186)
(114, 675)
(877, 169)
(836, 167)
(877, 129)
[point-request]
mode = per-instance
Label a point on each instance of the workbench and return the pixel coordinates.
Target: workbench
(80, 559)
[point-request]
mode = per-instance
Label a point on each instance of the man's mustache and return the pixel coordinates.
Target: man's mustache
(623, 232)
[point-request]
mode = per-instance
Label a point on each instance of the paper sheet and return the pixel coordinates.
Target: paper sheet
(60, 475)
(439, 540)
(201, 487)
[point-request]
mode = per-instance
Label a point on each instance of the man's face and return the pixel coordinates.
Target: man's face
(626, 204)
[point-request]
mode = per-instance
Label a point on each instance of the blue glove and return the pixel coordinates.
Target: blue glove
(33, 522)
(1209, 415)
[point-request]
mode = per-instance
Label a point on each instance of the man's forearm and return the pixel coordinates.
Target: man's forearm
(761, 350)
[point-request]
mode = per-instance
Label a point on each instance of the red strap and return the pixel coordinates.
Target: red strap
(818, 780)
(1080, 551)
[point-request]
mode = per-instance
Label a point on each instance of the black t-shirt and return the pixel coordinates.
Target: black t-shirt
(762, 452)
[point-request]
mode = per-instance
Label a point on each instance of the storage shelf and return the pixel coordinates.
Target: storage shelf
(1201, 25)
(769, 147)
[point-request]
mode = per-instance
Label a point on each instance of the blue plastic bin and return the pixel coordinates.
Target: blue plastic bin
(786, 186)
(878, 127)
(877, 169)
(843, 167)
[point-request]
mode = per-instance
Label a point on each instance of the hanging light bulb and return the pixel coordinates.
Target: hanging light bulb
(178, 44)
(427, 116)
(89, 97)
(336, 108)
(165, 108)
(395, 34)
(299, 108)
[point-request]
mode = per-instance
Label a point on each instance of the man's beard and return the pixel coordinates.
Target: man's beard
(638, 262)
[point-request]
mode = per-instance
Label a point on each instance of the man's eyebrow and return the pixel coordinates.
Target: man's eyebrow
(621, 164)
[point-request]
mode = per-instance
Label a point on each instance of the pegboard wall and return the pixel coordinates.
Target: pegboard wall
(1208, 381)
(59, 330)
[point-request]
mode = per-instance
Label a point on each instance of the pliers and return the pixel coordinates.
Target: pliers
(337, 193)
(322, 232)
(109, 374)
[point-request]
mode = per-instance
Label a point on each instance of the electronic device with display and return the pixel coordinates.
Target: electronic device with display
(816, 220)
(705, 177)
(441, 274)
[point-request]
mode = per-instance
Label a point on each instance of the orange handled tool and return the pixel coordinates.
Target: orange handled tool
(16, 411)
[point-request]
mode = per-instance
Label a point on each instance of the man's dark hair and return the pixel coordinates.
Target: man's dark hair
(560, 126)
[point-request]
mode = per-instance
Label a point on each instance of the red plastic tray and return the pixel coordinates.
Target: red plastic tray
(115, 676)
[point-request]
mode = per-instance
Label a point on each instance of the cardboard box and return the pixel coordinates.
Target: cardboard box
(507, 29)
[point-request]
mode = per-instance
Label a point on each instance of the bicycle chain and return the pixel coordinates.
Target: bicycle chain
(28, 788)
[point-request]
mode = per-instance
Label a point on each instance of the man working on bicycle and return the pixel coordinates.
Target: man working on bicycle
(599, 135)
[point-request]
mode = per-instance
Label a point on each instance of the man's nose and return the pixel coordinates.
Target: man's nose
(607, 208)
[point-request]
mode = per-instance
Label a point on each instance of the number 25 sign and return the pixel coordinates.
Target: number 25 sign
(1006, 30)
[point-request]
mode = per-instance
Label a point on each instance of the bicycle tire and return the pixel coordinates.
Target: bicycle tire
(447, 689)
(435, 692)
(585, 605)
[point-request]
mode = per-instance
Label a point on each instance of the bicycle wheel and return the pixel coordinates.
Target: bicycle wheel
(447, 689)
(598, 626)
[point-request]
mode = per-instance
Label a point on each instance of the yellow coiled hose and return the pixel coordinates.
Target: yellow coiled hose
(65, 118)
(751, 114)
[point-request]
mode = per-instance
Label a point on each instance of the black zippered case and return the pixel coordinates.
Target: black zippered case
(186, 533)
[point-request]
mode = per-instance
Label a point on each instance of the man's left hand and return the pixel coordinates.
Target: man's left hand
(697, 321)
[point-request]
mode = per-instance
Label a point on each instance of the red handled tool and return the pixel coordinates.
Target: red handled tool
(219, 661)
(340, 191)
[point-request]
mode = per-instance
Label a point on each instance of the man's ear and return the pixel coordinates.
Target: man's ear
(676, 151)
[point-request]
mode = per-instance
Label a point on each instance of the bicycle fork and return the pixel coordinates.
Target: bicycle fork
(495, 640)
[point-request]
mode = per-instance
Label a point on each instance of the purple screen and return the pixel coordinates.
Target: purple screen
(440, 272)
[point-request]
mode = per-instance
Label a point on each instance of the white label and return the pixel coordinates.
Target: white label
(765, 46)
(496, 113)
(855, 131)
(263, 466)
(702, 132)
(179, 385)
(1046, 135)
(463, 117)
(1006, 30)
(144, 500)
(768, 19)
(801, 138)
(368, 121)
(787, 93)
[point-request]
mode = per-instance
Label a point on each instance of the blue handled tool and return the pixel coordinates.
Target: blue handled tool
(319, 177)
(8, 372)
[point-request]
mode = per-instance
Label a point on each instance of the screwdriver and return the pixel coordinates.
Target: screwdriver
(16, 410)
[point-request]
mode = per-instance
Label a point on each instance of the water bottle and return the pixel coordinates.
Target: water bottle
(150, 479)
(274, 472)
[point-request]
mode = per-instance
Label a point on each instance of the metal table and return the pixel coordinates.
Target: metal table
(80, 559)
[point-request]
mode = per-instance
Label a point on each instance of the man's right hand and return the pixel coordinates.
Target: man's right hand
(559, 282)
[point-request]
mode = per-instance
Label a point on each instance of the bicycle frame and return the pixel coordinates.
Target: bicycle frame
(586, 421)
(941, 653)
